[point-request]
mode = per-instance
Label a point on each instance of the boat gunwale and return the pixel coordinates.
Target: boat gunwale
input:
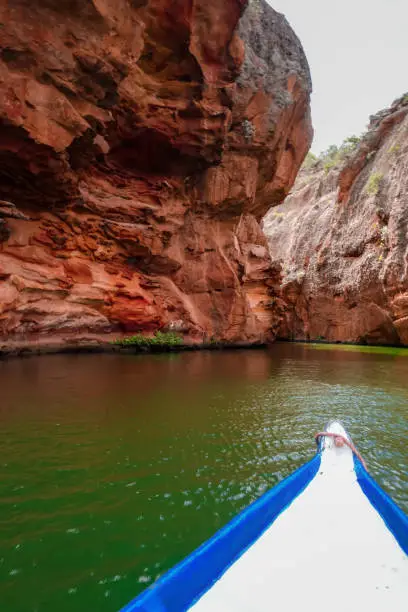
(183, 585)
(276, 500)
(396, 521)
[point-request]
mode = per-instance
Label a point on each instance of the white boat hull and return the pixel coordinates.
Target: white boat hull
(329, 545)
(327, 535)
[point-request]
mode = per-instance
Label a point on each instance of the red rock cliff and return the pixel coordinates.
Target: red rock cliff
(140, 142)
(342, 238)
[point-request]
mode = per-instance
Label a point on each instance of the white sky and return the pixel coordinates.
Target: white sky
(358, 56)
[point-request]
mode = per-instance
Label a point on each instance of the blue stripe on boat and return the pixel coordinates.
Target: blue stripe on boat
(183, 585)
(392, 515)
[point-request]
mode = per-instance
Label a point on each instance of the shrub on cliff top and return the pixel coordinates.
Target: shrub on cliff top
(310, 160)
(160, 339)
(333, 156)
(331, 163)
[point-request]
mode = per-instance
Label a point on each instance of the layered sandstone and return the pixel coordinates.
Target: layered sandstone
(141, 141)
(342, 239)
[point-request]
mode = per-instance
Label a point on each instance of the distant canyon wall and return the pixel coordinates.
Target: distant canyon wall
(141, 142)
(341, 238)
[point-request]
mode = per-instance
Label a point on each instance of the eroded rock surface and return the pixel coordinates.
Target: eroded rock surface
(141, 141)
(342, 239)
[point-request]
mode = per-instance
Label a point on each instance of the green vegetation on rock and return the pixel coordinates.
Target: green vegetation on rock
(394, 149)
(374, 183)
(160, 339)
(334, 155)
(310, 160)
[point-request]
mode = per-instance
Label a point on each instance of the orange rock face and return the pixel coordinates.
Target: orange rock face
(141, 141)
(341, 238)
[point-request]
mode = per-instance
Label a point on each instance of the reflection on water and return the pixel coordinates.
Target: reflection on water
(115, 467)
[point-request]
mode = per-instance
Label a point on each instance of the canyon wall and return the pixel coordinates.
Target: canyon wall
(141, 142)
(342, 240)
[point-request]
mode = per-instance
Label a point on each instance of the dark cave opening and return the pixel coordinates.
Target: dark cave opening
(151, 152)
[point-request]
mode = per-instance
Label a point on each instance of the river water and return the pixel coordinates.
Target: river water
(113, 467)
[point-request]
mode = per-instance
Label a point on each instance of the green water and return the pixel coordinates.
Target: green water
(115, 467)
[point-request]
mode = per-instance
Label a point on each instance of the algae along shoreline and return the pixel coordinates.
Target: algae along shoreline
(127, 345)
(95, 346)
(393, 351)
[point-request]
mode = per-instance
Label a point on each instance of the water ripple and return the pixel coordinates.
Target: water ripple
(113, 468)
